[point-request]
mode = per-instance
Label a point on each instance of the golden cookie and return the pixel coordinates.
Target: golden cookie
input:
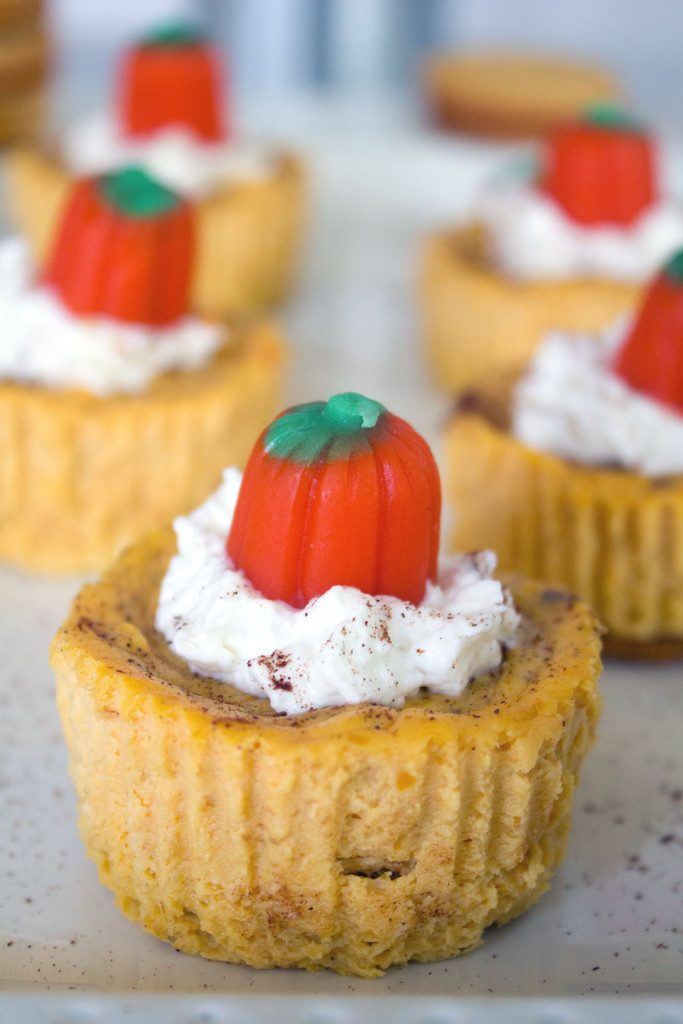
(512, 95)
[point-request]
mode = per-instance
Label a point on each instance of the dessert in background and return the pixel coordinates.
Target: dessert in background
(170, 116)
(575, 475)
(512, 95)
(344, 751)
(567, 245)
(24, 58)
(118, 405)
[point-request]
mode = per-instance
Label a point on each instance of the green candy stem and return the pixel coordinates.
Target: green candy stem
(673, 268)
(324, 431)
(174, 34)
(133, 192)
(607, 115)
(350, 411)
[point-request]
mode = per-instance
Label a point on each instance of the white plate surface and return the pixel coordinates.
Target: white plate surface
(611, 929)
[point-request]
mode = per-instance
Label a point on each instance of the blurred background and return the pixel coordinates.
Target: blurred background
(338, 81)
(282, 47)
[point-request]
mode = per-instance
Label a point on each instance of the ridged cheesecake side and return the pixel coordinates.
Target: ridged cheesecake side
(82, 476)
(249, 234)
(476, 321)
(350, 838)
(250, 239)
(612, 536)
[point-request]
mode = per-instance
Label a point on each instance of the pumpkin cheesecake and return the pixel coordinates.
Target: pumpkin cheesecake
(569, 245)
(118, 406)
(402, 734)
(170, 118)
(575, 471)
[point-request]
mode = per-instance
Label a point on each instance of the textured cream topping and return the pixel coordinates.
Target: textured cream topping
(569, 402)
(344, 647)
(529, 237)
(44, 343)
(173, 155)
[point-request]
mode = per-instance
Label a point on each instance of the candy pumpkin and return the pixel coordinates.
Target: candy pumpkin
(651, 358)
(602, 169)
(341, 492)
(172, 78)
(124, 249)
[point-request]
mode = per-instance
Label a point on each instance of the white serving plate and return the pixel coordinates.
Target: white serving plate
(605, 945)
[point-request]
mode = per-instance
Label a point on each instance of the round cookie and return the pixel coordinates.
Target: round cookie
(24, 61)
(512, 95)
(21, 116)
(20, 12)
(24, 54)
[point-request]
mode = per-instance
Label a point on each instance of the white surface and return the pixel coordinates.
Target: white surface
(612, 924)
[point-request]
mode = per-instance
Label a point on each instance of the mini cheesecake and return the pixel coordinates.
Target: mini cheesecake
(352, 837)
(249, 231)
(613, 535)
(83, 473)
(82, 476)
(479, 318)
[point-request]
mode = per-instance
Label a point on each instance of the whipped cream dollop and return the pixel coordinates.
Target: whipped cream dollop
(44, 343)
(173, 155)
(571, 403)
(529, 237)
(344, 647)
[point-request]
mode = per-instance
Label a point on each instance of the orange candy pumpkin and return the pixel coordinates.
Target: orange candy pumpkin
(651, 358)
(341, 492)
(172, 78)
(124, 249)
(601, 170)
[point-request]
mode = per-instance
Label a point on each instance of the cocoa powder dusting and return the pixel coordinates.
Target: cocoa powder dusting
(275, 664)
